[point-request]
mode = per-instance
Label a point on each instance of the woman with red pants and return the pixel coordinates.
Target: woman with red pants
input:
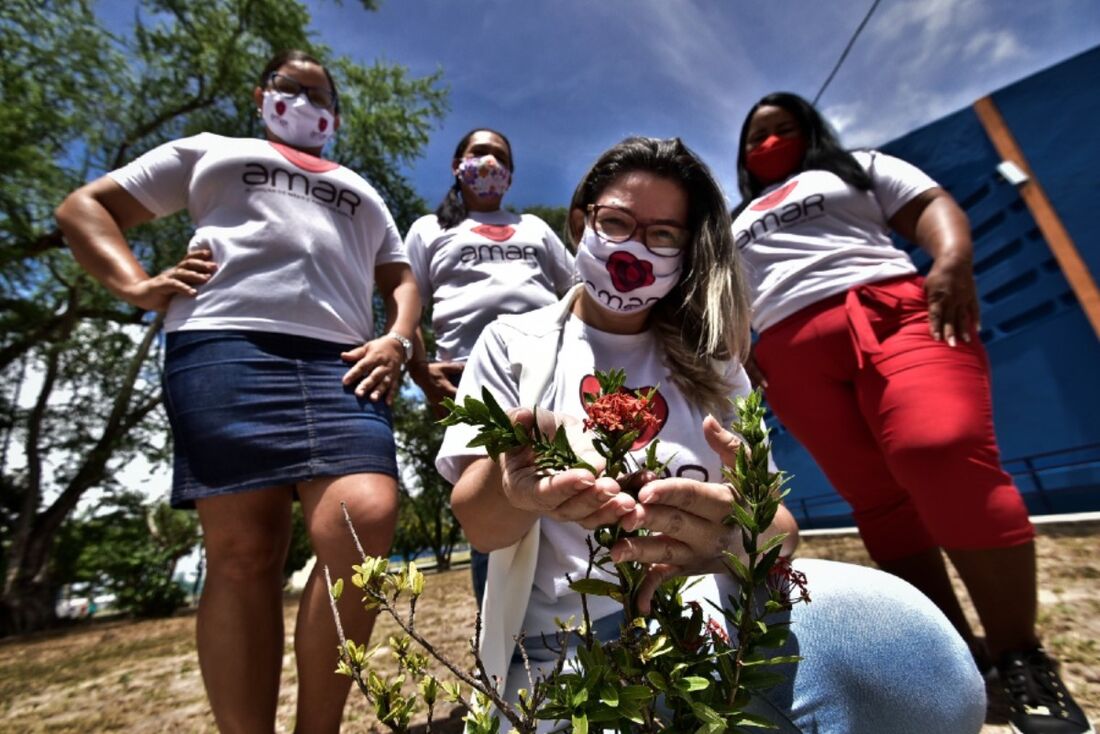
(878, 372)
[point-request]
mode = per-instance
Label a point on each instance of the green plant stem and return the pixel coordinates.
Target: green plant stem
(484, 686)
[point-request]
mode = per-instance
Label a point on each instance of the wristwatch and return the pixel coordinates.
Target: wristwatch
(406, 344)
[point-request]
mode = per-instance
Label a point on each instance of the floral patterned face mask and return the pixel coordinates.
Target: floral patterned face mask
(625, 277)
(484, 176)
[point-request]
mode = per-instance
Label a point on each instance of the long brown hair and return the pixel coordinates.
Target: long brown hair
(705, 317)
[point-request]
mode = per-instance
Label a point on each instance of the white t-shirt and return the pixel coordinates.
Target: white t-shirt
(813, 235)
(296, 239)
(562, 549)
(491, 263)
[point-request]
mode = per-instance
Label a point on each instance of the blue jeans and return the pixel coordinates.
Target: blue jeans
(877, 658)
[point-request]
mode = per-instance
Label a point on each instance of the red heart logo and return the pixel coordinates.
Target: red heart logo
(775, 197)
(495, 232)
(591, 386)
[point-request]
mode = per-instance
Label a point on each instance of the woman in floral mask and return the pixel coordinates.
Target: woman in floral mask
(276, 385)
(879, 373)
(473, 262)
(663, 298)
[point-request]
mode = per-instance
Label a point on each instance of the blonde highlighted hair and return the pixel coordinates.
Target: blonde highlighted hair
(705, 317)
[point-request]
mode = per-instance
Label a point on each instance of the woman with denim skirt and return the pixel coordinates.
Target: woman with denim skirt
(276, 386)
(662, 296)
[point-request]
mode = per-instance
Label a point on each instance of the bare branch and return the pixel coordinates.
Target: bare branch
(120, 420)
(484, 685)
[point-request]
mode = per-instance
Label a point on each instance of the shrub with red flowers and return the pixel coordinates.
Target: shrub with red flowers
(619, 412)
(680, 656)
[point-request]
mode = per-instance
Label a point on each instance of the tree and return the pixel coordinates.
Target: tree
(131, 550)
(408, 538)
(418, 440)
(88, 100)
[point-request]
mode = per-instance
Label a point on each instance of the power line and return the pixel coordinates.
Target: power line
(844, 55)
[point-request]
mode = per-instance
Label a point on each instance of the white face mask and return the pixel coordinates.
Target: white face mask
(296, 121)
(626, 277)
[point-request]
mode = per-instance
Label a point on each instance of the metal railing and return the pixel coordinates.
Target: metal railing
(1031, 466)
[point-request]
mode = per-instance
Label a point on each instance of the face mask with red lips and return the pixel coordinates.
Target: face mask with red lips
(625, 277)
(296, 121)
(775, 158)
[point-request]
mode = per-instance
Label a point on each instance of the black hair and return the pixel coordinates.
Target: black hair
(452, 210)
(823, 149)
(294, 54)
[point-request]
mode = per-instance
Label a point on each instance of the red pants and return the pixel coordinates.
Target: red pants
(902, 425)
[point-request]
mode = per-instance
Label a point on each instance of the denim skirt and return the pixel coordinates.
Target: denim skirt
(252, 409)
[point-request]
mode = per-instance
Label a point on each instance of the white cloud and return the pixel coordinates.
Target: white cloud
(698, 48)
(996, 47)
(918, 61)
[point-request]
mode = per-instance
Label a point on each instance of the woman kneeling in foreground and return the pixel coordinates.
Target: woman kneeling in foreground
(876, 655)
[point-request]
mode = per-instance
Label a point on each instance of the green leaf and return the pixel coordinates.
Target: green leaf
(496, 413)
(739, 570)
(693, 683)
(657, 680)
(597, 587)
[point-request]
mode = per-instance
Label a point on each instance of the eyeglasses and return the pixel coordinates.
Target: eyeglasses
(322, 97)
(618, 225)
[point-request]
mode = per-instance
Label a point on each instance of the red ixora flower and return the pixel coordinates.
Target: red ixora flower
(717, 631)
(783, 580)
(628, 272)
(620, 412)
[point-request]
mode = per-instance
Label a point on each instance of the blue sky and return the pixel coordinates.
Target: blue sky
(566, 79)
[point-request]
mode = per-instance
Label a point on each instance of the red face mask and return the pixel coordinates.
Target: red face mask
(775, 158)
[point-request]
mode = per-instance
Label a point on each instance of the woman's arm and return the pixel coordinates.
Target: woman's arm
(497, 503)
(377, 364)
(939, 226)
(401, 297)
(93, 218)
(438, 380)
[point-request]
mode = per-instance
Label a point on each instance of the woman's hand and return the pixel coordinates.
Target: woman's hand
(573, 495)
(183, 279)
(438, 380)
(756, 375)
(952, 299)
(687, 518)
(377, 368)
(934, 221)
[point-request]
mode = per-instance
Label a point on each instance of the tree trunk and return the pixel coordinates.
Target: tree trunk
(29, 608)
(27, 602)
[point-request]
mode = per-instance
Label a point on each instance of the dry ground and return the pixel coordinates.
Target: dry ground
(120, 675)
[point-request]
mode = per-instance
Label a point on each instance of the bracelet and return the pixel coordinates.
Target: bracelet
(405, 343)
